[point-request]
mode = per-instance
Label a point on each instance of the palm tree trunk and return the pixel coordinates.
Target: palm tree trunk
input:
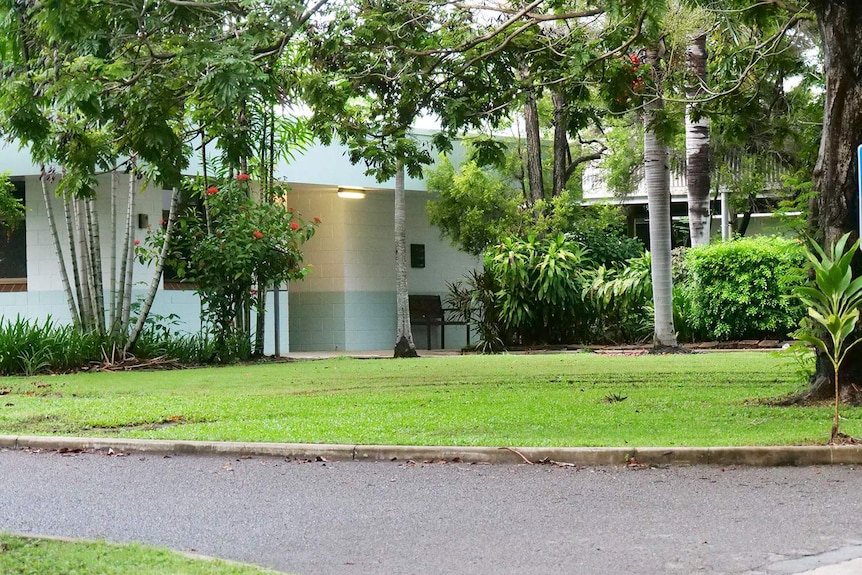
(697, 146)
(404, 346)
(58, 250)
(147, 304)
(658, 198)
(84, 252)
(127, 265)
(96, 255)
(73, 257)
(112, 278)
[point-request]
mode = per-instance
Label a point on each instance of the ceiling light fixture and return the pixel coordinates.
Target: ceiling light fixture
(351, 193)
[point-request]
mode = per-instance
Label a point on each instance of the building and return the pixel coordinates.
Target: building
(347, 302)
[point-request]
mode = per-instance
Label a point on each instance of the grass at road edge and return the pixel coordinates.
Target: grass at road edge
(555, 400)
(48, 556)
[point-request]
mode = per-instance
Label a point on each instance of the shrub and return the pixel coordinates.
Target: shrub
(29, 347)
(621, 299)
(740, 289)
(541, 282)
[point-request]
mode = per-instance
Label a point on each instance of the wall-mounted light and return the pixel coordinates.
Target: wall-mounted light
(351, 193)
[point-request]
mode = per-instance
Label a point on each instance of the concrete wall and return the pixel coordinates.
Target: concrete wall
(347, 302)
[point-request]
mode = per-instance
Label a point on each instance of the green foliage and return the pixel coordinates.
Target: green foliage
(739, 289)
(621, 299)
(30, 347)
(478, 208)
(540, 288)
(232, 249)
(475, 300)
(833, 303)
(11, 208)
(475, 208)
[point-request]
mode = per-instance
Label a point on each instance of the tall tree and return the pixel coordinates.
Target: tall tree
(697, 144)
(91, 84)
(657, 176)
(370, 80)
(835, 175)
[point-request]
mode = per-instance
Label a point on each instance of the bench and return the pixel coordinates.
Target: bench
(427, 310)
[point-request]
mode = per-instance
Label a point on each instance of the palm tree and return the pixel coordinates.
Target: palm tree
(404, 346)
(657, 176)
(697, 145)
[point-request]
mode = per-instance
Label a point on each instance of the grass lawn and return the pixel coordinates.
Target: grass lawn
(26, 556)
(515, 400)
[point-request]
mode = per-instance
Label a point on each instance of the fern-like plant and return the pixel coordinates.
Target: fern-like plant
(833, 302)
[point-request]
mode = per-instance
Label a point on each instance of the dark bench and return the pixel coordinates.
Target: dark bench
(427, 310)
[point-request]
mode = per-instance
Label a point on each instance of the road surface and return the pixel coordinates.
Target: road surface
(390, 518)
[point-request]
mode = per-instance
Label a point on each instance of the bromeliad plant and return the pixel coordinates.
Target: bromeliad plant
(833, 303)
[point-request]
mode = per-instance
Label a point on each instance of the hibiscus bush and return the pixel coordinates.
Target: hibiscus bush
(232, 247)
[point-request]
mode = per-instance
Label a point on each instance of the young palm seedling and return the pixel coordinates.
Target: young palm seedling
(833, 302)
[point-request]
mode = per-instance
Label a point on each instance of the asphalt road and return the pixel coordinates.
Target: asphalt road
(367, 518)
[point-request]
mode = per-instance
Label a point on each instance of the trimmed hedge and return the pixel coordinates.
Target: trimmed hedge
(742, 289)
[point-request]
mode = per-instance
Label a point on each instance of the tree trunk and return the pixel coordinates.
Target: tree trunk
(534, 144)
(96, 255)
(73, 257)
(128, 264)
(562, 154)
(404, 346)
(697, 146)
(835, 174)
(657, 176)
(147, 304)
(58, 250)
(112, 278)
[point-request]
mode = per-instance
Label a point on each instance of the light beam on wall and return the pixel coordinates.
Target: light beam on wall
(351, 193)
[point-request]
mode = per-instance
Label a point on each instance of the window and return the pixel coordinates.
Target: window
(13, 250)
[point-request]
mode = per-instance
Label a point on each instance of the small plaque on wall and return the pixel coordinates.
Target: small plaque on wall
(417, 255)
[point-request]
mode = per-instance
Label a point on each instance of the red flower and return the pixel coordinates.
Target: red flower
(242, 177)
(258, 234)
(294, 226)
(137, 242)
(212, 190)
(162, 222)
(635, 60)
(317, 220)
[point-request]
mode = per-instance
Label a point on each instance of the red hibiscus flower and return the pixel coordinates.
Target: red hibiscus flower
(242, 177)
(212, 190)
(137, 242)
(294, 226)
(257, 234)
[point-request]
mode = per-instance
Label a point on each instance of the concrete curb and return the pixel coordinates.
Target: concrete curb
(581, 456)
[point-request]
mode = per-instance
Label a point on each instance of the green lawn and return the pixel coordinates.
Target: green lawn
(26, 556)
(515, 400)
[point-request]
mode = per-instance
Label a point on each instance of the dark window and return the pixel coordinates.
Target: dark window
(417, 255)
(13, 250)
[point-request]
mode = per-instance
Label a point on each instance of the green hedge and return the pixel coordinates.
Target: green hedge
(742, 289)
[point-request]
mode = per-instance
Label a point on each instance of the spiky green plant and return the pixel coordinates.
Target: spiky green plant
(833, 302)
